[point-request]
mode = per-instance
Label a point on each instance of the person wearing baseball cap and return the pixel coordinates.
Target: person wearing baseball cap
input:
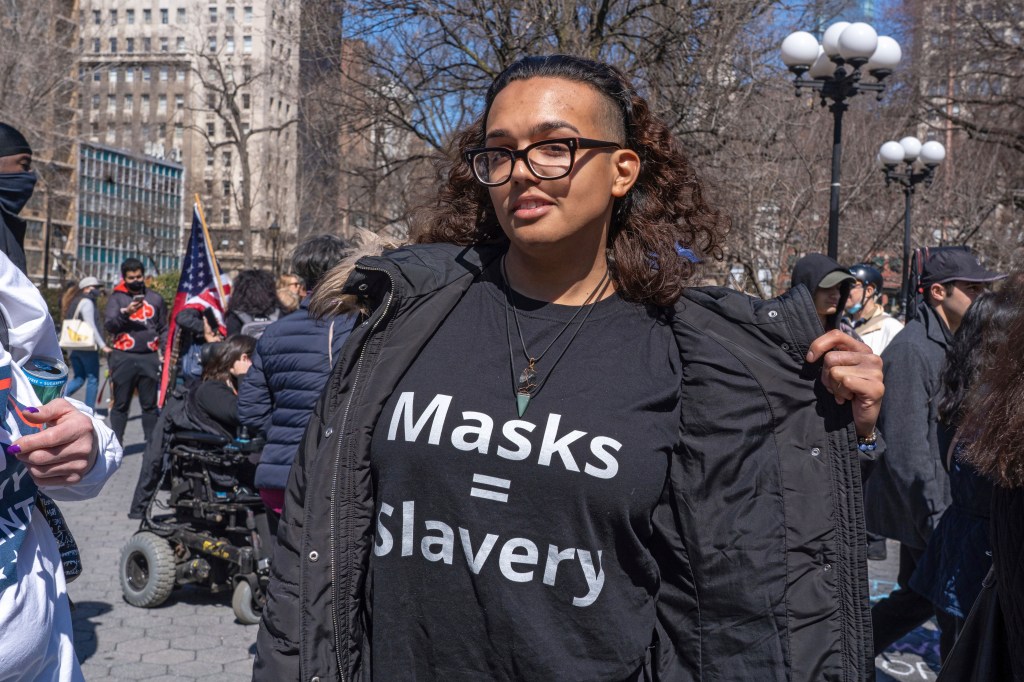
(907, 490)
(952, 279)
(80, 303)
(828, 283)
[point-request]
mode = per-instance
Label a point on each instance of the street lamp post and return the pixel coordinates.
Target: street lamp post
(274, 232)
(834, 68)
(920, 162)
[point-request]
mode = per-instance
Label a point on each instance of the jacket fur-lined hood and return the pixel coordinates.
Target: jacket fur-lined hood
(329, 299)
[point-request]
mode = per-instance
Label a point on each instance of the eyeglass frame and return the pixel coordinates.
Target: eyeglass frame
(573, 143)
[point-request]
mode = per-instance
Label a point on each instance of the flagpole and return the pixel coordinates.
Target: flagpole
(213, 256)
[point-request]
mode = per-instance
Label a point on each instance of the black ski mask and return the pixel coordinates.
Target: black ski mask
(15, 191)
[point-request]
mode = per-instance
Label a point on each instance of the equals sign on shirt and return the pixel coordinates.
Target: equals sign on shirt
(492, 482)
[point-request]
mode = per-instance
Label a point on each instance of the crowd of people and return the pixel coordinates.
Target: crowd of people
(524, 446)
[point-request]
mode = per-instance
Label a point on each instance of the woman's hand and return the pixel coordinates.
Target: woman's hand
(209, 334)
(850, 371)
(64, 452)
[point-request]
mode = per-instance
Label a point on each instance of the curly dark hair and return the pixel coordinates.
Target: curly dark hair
(253, 292)
(994, 411)
(663, 213)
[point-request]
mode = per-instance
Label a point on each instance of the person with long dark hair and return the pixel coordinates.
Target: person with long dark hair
(213, 403)
(995, 417)
(958, 554)
(253, 299)
(541, 457)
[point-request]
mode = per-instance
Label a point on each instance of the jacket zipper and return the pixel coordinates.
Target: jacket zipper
(337, 463)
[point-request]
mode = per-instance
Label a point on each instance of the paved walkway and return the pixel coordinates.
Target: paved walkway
(194, 635)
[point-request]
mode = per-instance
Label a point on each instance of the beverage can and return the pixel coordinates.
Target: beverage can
(48, 377)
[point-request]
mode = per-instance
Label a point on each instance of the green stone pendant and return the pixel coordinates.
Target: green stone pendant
(522, 400)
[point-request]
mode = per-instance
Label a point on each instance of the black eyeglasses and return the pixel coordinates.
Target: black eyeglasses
(547, 159)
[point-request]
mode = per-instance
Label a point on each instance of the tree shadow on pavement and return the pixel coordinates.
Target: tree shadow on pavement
(84, 628)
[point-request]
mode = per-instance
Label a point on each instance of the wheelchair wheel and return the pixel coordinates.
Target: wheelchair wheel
(244, 605)
(147, 570)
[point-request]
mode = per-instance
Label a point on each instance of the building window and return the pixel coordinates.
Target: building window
(113, 44)
(213, 43)
(225, 187)
(247, 44)
(113, 17)
(96, 75)
(247, 14)
(129, 44)
(226, 157)
(111, 103)
(96, 45)
(181, 15)
(209, 164)
(211, 128)
(95, 102)
(165, 16)
(179, 101)
(181, 43)
(129, 75)
(229, 44)
(161, 104)
(97, 17)
(213, 14)
(112, 76)
(247, 71)
(147, 16)
(163, 74)
(165, 44)
(181, 75)
(245, 100)
(225, 215)
(209, 188)
(145, 105)
(231, 15)
(146, 74)
(211, 100)
(147, 44)
(179, 131)
(129, 16)
(128, 104)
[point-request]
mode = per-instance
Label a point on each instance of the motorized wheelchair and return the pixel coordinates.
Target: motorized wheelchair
(212, 532)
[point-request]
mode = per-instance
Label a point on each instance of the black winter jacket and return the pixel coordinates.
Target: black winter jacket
(759, 537)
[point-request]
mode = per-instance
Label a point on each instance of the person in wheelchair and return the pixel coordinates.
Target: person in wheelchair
(213, 404)
(209, 407)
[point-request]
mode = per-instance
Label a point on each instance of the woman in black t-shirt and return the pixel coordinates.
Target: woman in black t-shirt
(478, 490)
(214, 402)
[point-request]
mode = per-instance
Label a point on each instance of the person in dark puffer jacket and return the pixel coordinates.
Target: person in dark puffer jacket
(293, 360)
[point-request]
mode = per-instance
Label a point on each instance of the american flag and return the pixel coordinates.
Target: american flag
(196, 289)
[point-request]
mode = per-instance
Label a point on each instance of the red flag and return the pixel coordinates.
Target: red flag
(197, 289)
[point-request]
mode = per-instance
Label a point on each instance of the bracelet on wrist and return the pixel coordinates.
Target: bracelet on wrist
(868, 443)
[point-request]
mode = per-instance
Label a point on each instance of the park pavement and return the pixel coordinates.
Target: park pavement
(194, 635)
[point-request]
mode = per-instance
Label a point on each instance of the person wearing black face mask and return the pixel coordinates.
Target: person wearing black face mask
(17, 181)
(136, 317)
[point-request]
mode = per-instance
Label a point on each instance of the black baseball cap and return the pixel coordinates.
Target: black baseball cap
(950, 265)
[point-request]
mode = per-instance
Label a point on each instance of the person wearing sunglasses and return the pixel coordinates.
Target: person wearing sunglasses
(541, 456)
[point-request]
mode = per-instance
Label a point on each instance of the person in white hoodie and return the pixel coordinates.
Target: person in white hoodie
(55, 450)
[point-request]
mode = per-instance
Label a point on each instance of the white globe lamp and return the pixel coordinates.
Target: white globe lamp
(932, 153)
(830, 41)
(891, 153)
(911, 148)
(857, 43)
(886, 57)
(799, 50)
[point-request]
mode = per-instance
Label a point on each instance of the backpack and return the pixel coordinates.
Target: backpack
(255, 325)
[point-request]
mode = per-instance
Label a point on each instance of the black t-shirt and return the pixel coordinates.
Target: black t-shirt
(514, 548)
(215, 406)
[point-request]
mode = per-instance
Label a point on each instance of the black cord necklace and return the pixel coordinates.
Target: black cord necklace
(527, 386)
